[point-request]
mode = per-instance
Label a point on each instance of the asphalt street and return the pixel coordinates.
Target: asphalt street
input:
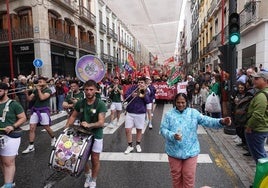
(217, 165)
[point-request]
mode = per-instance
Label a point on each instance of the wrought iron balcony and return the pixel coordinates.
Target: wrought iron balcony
(103, 28)
(87, 46)
(110, 33)
(19, 33)
(62, 37)
(68, 4)
(115, 37)
(86, 15)
(250, 15)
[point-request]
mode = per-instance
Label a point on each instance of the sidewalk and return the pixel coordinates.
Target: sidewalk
(243, 166)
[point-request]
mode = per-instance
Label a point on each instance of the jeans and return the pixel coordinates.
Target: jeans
(255, 141)
(60, 101)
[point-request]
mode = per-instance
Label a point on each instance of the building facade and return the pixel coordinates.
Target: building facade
(59, 32)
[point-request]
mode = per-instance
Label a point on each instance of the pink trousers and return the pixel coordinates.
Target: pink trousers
(183, 172)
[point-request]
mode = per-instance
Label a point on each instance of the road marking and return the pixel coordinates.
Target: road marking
(146, 157)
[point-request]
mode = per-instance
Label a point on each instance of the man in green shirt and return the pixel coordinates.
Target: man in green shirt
(115, 90)
(11, 117)
(40, 112)
(92, 112)
(73, 96)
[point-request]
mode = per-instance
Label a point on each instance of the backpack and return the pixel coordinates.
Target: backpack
(240, 113)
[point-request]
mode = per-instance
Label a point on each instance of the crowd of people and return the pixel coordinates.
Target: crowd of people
(36, 98)
(39, 97)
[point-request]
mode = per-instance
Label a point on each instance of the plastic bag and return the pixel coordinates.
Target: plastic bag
(213, 103)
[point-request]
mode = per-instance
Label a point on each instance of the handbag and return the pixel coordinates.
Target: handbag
(213, 103)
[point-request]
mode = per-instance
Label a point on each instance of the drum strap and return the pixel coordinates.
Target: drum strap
(6, 109)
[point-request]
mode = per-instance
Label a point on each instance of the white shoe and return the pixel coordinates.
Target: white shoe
(150, 126)
(29, 149)
(13, 185)
(92, 184)
(138, 148)
(88, 180)
(53, 141)
(129, 149)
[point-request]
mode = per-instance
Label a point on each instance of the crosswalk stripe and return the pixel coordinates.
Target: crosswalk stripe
(146, 157)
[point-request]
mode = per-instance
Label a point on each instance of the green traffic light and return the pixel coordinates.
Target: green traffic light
(234, 38)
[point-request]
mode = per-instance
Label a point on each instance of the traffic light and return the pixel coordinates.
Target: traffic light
(234, 29)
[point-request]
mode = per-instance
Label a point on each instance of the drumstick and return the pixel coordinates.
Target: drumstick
(2, 129)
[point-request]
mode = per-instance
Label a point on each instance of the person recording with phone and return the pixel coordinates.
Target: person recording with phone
(137, 98)
(12, 116)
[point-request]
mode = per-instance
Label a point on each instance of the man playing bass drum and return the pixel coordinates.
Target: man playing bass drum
(92, 111)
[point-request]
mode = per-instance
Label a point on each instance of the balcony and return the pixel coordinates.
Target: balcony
(87, 16)
(62, 37)
(250, 15)
(67, 4)
(20, 33)
(87, 46)
(110, 33)
(103, 28)
(115, 37)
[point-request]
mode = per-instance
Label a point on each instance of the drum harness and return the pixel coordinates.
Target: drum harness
(3, 137)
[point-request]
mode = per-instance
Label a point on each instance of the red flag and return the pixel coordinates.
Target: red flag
(147, 71)
(169, 60)
(131, 62)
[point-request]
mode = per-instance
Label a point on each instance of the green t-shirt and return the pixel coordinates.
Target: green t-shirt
(38, 103)
(11, 116)
(90, 113)
(78, 96)
(115, 96)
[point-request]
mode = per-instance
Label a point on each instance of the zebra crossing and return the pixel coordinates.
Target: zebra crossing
(120, 156)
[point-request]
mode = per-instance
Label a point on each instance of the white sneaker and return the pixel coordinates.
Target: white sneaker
(29, 149)
(138, 148)
(129, 149)
(150, 126)
(13, 185)
(88, 180)
(53, 141)
(92, 184)
(111, 125)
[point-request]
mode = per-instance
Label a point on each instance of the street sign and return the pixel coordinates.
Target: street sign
(38, 63)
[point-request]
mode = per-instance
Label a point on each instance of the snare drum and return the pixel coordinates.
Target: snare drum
(71, 152)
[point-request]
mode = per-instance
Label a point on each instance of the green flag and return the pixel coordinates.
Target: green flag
(174, 76)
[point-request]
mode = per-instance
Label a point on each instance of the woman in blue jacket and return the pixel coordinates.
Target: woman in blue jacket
(179, 128)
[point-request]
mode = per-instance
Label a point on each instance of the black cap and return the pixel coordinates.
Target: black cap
(3, 86)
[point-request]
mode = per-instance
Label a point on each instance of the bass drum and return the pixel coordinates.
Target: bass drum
(90, 67)
(71, 152)
(261, 174)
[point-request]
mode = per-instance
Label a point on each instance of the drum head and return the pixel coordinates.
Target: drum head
(90, 67)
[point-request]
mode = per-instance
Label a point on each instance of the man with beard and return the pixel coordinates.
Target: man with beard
(40, 112)
(92, 112)
(11, 117)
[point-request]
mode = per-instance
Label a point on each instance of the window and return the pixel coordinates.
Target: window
(24, 18)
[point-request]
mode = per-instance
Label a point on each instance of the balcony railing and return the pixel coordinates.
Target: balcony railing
(68, 4)
(62, 37)
(87, 46)
(250, 14)
(87, 15)
(110, 33)
(115, 37)
(21, 33)
(103, 28)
